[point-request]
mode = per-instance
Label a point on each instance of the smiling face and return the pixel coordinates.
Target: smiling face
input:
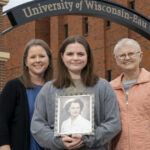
(74, 109)
(37, 60)
(75, 58)
(128, 58)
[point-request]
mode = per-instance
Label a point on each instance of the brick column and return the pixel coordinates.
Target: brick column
(4, 56)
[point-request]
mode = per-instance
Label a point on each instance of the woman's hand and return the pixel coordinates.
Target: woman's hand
(73, 142)
(5, 147)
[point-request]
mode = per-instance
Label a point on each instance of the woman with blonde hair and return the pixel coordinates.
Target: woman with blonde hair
(18, 97)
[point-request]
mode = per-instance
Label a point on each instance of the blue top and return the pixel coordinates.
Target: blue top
(31, 94)
(128, 84)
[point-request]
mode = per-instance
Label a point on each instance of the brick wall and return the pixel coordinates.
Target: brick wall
(2, 74)
(0, 26)
(3, 56)
(52, 29)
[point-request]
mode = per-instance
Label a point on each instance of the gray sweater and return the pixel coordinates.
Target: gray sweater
(106, 118)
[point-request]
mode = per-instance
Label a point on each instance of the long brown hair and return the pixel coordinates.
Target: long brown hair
(88, 77)
(25, 77)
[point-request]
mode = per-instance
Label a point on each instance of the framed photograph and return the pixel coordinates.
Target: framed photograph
(74, 114)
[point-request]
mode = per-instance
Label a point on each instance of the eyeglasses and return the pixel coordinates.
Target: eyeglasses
(131, 55)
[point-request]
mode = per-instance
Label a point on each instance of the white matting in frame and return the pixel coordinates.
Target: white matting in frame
(74, 114)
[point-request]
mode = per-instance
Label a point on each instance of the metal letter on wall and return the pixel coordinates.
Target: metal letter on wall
(35, 9)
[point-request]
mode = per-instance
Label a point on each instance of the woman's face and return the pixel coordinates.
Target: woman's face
(37, 60)
(75, 59)
(74, 109)
(132, 58)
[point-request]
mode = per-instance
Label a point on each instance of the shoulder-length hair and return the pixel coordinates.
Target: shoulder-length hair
(88, 77)
(25, 76)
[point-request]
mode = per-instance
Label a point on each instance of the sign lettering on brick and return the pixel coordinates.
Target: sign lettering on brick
(34, 9)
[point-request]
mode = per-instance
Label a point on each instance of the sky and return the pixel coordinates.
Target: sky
(14, 3)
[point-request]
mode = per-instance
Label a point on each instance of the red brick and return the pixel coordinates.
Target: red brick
(51, 29)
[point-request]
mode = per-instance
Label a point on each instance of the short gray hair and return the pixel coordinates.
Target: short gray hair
(126, 41)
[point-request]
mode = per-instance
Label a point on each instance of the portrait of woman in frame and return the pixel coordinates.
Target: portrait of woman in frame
(74, 114)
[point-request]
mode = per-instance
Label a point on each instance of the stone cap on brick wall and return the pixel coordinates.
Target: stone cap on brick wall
(3, 2)
(4, 56)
